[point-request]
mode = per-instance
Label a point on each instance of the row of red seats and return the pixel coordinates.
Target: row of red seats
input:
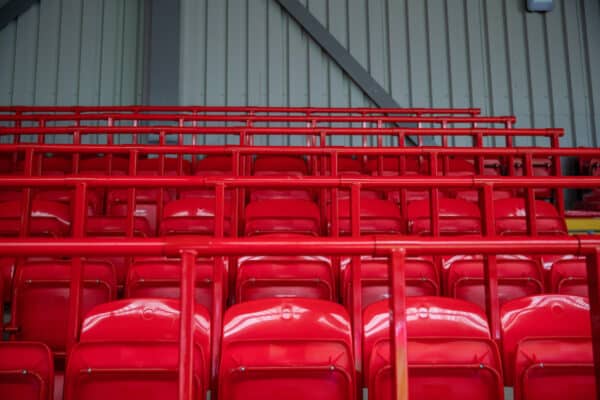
(303, 348)
(456, 217)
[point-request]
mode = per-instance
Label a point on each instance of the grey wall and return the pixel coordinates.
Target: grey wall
(439, 53)
(67, 52)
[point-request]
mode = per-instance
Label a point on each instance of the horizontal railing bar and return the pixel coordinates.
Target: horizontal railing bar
(373, 245)
(258, 118)
(305, 182)
(216, 130)
(302, 150)
(196, 109)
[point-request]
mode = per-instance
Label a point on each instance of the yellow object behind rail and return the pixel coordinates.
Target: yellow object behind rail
(583, 225)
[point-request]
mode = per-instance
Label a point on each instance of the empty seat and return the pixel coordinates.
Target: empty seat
(421, 277)
(293, 348)
(141, 361)
(47, 218)
(282, 216)
(146, 204)
(547, 348)
(541, 167)
(67, 198)
(214, 165)
(7, 270)
(456, 217)
(511, 218)
(40, 308)
(376, 217)
(272, 165)
(568, 274)
(26, 371)
(171, 166)
(108, 165)
(518, 276)
(193, 216)
(260, 277)
(161, 278)
(450, 352)
(390, 165)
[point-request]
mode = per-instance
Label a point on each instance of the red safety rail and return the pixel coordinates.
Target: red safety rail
(490, 245)
(326, 159)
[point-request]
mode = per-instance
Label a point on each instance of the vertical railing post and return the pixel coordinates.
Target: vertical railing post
(530, 198)
(593, 273)
(398, 324)
(186, 334)
(77, 278)
(356, 285)
(490, 267)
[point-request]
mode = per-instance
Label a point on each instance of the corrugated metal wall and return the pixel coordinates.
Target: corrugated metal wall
(441, 53)
(67, 52)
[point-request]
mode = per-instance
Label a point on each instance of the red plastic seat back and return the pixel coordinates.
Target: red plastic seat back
(41, 298)
(26, 371)
(111, 362)
(450, 352)
(376, 217)
(215, 165)
(262, 277)
(114, 165)
(193, 216)
(280, 164)
(172, 166)
(542, 317)
(420, 274)
(456, 217)
(518, 276)
(161, 278)
(568, 275)
(282, 216)
(47, 218)
(511, 218)
(297, 348)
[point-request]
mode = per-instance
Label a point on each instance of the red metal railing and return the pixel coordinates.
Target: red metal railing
(489, 245)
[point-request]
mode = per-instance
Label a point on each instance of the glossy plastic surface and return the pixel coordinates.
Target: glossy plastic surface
(141, 361)
(286, 348)
(456, 217)
(40, 302)
(282, 216)
(450, 352)
(192, 216)
(26, 371)
(511, 218)
(568, 275)
(540, 318)
(376, 217)
(47, 218)
(518, 276)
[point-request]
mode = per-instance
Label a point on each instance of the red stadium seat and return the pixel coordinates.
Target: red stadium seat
(272, 165)
(26, 371)
(141, 361)
(47, 218)
(41, 296)
(518, 276)
(261, 277)
(282, 216)
(568, 274)
(215, 165)
(146, 204)
(292, 348)
(56, 166)
(67, 197)
(541, 167)
(420, 274)
(195, 216)
(511, 218)
(547, 348)
(172, 166)
(161, 278)
(390, 166)
(115, 165)
(450, 352)
(456, 217)
(376, 217)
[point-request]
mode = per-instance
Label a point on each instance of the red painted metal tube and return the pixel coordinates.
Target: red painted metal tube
(398, 324)
(373, 245)
(307, 182)
(281, 131)
(593, 274)
(247, 109)
(313, 119)
(186, 333)
(295, 150)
